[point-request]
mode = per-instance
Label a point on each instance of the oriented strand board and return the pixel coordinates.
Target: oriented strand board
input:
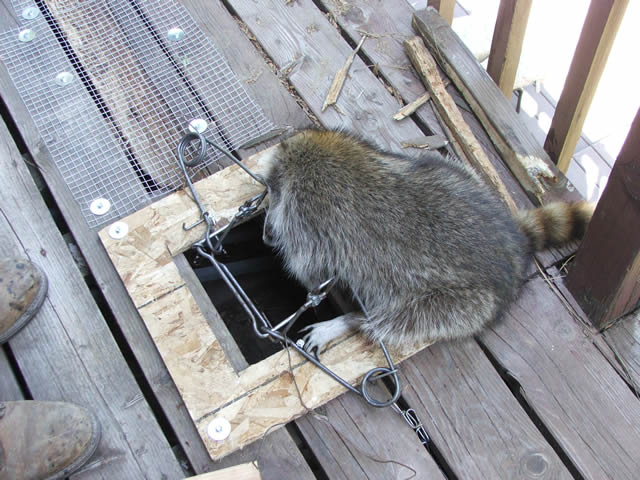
(258, 398)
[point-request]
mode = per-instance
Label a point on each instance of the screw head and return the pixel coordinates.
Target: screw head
(198, 125)
(218, 429)
(26, 35)
(175, 34)
(118, 230)
(100, 206)
(300, 343)
(29, 13)
(64, 78)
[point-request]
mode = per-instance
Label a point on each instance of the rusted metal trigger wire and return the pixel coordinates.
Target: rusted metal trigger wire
(211, 244)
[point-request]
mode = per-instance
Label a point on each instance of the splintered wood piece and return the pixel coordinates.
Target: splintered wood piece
(526, 159)
(431, 142)
(506, 46)
(341, 76)
(598, 33)
(410, 108)
(426, 67)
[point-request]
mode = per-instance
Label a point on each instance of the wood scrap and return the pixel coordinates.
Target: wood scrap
(522, 153)
(410, 108)
(341, 76)
(428, 72)
(431, 142)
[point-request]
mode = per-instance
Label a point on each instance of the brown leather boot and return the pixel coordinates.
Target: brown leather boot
(45, 440)
(23, 286)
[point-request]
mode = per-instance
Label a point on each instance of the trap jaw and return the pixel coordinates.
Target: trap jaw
(211, 244)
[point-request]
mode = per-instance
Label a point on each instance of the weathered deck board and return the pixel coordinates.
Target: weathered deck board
(62, 351)
(299, 39)
(125, 81)
(284, 111)
(67, 135)
(9, 387)
(250, 67)
(473, 418)
(111, 285)
(624, 340)
(360, 430)
(576, 393)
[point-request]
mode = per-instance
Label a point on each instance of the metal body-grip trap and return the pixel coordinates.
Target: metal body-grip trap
(241, 403)
(212, 244)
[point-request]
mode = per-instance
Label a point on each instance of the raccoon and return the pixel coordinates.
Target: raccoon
(430, 250)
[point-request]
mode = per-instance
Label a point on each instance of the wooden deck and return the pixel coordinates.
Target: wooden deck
(539, 395)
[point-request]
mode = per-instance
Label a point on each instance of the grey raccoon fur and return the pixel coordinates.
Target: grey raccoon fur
(428, 247)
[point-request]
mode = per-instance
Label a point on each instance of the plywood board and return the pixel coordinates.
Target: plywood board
(259, 398)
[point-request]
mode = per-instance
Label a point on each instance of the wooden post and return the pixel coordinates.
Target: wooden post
(506, 45)
(605, 277)
(598, 33)
(444, 7)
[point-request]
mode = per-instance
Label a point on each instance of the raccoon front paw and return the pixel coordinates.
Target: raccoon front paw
(321, 333)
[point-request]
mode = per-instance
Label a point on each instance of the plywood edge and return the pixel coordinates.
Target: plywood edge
(155, 235)
(276, 402)
(194, 357)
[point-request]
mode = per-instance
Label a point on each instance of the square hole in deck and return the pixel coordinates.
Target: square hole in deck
(260, 272)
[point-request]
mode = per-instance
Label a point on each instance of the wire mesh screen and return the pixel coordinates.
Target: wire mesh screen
(112, 86)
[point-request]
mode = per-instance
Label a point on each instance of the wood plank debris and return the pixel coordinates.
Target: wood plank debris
(426, 68)
(431, 142)
(527, 160)
(244, 471)
(341, 76)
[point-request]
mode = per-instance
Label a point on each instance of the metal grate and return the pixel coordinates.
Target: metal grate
(112, 86)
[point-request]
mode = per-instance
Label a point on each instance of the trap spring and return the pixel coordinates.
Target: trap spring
(211, 244)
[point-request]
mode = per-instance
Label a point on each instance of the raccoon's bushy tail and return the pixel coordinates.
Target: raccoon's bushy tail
(556, 223)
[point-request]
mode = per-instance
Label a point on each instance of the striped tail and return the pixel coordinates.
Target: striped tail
(555, 224)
